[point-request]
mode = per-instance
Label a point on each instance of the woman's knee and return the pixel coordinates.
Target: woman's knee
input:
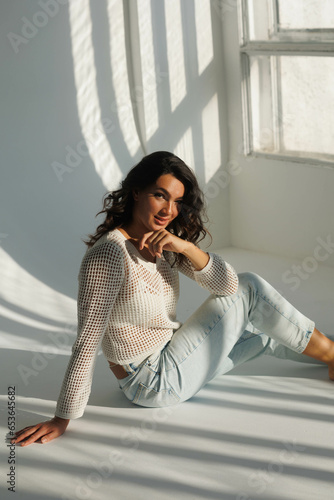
(249, 278)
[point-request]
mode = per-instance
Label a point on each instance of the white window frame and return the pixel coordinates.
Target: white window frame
(315, 42)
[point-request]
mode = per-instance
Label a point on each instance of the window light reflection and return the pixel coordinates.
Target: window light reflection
(87, 96)
(177, 77)
(203, 34)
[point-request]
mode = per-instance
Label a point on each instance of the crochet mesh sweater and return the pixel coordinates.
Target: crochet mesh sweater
(127, 306)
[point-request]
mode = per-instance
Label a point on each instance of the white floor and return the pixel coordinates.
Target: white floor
(263, 431)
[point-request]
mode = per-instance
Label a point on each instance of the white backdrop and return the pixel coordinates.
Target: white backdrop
(87, 89)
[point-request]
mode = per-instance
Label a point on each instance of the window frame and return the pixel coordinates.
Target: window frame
(309, 42)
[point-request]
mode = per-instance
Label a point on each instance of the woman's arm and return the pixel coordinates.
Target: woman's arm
(100, 279)
(197, 257)
(101, 276)
(209, 270)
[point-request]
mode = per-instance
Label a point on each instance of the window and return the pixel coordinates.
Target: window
(287, 57)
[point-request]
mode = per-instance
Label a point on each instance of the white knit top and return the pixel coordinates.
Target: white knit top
(127, 306)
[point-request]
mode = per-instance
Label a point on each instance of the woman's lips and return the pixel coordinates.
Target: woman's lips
(160, 221)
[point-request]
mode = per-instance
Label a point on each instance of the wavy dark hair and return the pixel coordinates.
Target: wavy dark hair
(118, 205)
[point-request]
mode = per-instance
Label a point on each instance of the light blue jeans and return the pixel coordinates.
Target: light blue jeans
(222, 333)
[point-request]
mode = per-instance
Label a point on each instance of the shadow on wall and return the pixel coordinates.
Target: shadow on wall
(90, 88)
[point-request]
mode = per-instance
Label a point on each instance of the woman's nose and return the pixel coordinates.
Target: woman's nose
(168, 208)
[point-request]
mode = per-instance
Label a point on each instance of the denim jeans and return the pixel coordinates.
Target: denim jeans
(222, 333)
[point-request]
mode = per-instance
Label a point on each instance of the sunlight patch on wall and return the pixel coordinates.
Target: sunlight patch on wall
(177, 77)
(203, 34)
(211, 138)
(148, 67)
(89, 113)
(122, 105)
(38, 318)
(184, 148)
(27, 321)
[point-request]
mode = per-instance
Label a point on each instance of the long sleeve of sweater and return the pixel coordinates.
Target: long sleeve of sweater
(217, 277)
(99, 282)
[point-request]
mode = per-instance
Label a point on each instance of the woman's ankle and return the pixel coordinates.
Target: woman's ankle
(320, 347)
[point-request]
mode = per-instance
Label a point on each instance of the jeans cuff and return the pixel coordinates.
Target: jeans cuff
(307, 337)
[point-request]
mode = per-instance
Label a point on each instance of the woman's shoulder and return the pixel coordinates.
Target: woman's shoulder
(109, 245)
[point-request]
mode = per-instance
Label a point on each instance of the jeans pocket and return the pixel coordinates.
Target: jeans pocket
(153, 362)
(151, 398)
(132, 371)
(123, 381)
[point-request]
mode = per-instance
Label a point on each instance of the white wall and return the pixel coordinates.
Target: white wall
(59, 82)
(279, 207)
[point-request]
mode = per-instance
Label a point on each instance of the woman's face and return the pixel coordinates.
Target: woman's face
(156, 206)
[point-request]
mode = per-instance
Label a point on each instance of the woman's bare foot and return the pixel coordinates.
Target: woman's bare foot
(322, 348)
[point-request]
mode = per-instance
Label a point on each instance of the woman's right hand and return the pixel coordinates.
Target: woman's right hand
(46, 431)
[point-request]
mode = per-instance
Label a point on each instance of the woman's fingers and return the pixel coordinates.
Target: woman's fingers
(19, 435)
(52, 435)
(143, 240)
(159, 240)
(46, 431)
(29, 428)
(35, 437)
(23, 434)
(156, 242)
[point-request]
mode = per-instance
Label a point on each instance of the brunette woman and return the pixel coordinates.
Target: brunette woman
(128, 291)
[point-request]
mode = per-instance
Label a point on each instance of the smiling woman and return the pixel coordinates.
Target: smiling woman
(160, 191)
(128, 292)
(157, 205)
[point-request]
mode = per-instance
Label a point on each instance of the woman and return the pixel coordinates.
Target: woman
(128, 290)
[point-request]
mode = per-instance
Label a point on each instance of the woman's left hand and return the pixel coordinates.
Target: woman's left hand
(157, 241)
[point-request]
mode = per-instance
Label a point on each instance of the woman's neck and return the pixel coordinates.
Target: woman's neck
(135, 242)
(132, 232)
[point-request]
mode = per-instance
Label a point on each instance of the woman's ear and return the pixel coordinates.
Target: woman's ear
(135, 194)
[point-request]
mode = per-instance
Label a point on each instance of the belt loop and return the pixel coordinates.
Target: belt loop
(129, 369)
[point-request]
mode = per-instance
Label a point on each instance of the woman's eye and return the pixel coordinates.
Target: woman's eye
(161, 195)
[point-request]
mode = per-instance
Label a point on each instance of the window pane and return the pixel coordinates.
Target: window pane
(262, 104)
(275, 20)
(292, 105)
(306, 14)
(258, 19)
(307, 90)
